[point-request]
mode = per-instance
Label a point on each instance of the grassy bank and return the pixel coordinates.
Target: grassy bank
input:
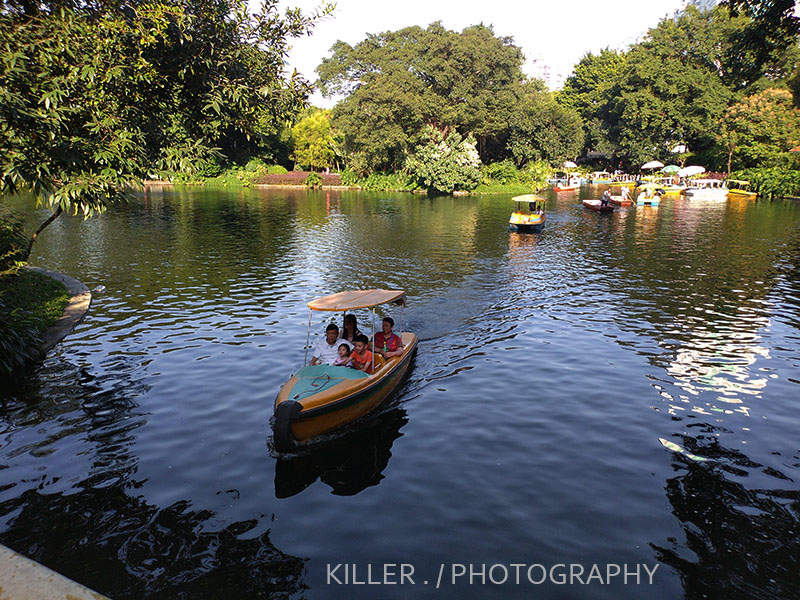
(29, 304)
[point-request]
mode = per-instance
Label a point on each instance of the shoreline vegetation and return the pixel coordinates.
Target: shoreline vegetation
(30, 303)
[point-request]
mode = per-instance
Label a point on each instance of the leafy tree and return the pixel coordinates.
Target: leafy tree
(93, 96)
(671, 88)
(759, 129)
(588, 91)
(445, 163)
(771, 29)
(542, 129)
(313, 140)
(398, 82)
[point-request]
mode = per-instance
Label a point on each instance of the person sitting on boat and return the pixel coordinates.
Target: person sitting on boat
(344, 356)
(349, 330)
(386, 342)
(606, 198)
(326, 351)
(361, 357)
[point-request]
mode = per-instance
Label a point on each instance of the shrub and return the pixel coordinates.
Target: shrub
(771, 182)
(255, 165)
(276, 170)
(314, 180)
(502, 172)
(445, 164)
(385, 182)
(349, 177)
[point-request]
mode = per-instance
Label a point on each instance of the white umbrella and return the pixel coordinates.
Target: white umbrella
(691, 170)
(653, 164)
(569, 165)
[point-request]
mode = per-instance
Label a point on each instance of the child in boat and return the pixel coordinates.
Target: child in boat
(344, 356)
(361, 357)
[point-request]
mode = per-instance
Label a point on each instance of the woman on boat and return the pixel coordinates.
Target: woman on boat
(386, 342)
(350, 329)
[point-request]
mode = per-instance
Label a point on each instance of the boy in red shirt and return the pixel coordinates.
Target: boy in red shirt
(361, 357)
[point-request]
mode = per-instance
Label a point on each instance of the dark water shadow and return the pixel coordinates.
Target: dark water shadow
(125, 548)
(741, 543)
(348, 464)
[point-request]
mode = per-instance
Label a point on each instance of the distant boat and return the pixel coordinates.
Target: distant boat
(740, 189)
(597, 206)
(571, 185)
(650, 195)
(528, 215)
(600, 177)
(707, 189)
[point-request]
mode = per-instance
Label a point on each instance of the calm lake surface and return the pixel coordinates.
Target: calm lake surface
(617, 390)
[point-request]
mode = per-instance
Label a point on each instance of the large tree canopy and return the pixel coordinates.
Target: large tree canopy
(94, 96)
(398, 82)
(676, 84)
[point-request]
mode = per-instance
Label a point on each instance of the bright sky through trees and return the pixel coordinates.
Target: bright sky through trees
(557, 34)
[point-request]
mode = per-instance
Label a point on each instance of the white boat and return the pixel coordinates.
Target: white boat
(706, 189)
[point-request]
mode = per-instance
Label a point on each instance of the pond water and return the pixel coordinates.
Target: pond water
(618, 390)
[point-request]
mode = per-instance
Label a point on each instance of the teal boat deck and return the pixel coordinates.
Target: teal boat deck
(314, 379)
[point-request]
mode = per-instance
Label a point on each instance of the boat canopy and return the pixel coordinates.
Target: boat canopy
(529, 198)
(354, 299)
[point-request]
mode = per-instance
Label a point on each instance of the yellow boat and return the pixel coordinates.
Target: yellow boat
(528, 214)
(740, 189)
(321, 398)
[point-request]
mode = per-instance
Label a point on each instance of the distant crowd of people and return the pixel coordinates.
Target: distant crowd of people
(348, 347)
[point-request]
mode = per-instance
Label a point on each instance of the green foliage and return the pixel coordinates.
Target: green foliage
(771, 182)
(542, 129)
(313, 140)
(504, 177)
(770, 29)
(276, 170)
(12, 245)
(445, 164)
(314, 180)
(398, 82)
(29, 303)
(759, 129)
(385, 182)
(92, 96)
(348, 177)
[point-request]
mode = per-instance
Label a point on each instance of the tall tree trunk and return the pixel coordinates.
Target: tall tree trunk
(50, 219)
(730, 158)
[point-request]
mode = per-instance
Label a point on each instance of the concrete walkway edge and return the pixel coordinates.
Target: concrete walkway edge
(24, 579)
(76, 309)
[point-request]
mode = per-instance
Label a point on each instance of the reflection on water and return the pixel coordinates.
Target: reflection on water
(636, 367)
(347, 464)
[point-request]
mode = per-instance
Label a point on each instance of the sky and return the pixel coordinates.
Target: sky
(556, 33)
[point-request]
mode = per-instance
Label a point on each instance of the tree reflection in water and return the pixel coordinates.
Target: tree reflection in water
(745, 542)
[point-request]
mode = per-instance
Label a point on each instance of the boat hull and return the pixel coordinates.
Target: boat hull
(706, 194)
(302, 420)
(526, 223)
(618, 201)
(565, 188)
(597, 206)
(741, 194)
